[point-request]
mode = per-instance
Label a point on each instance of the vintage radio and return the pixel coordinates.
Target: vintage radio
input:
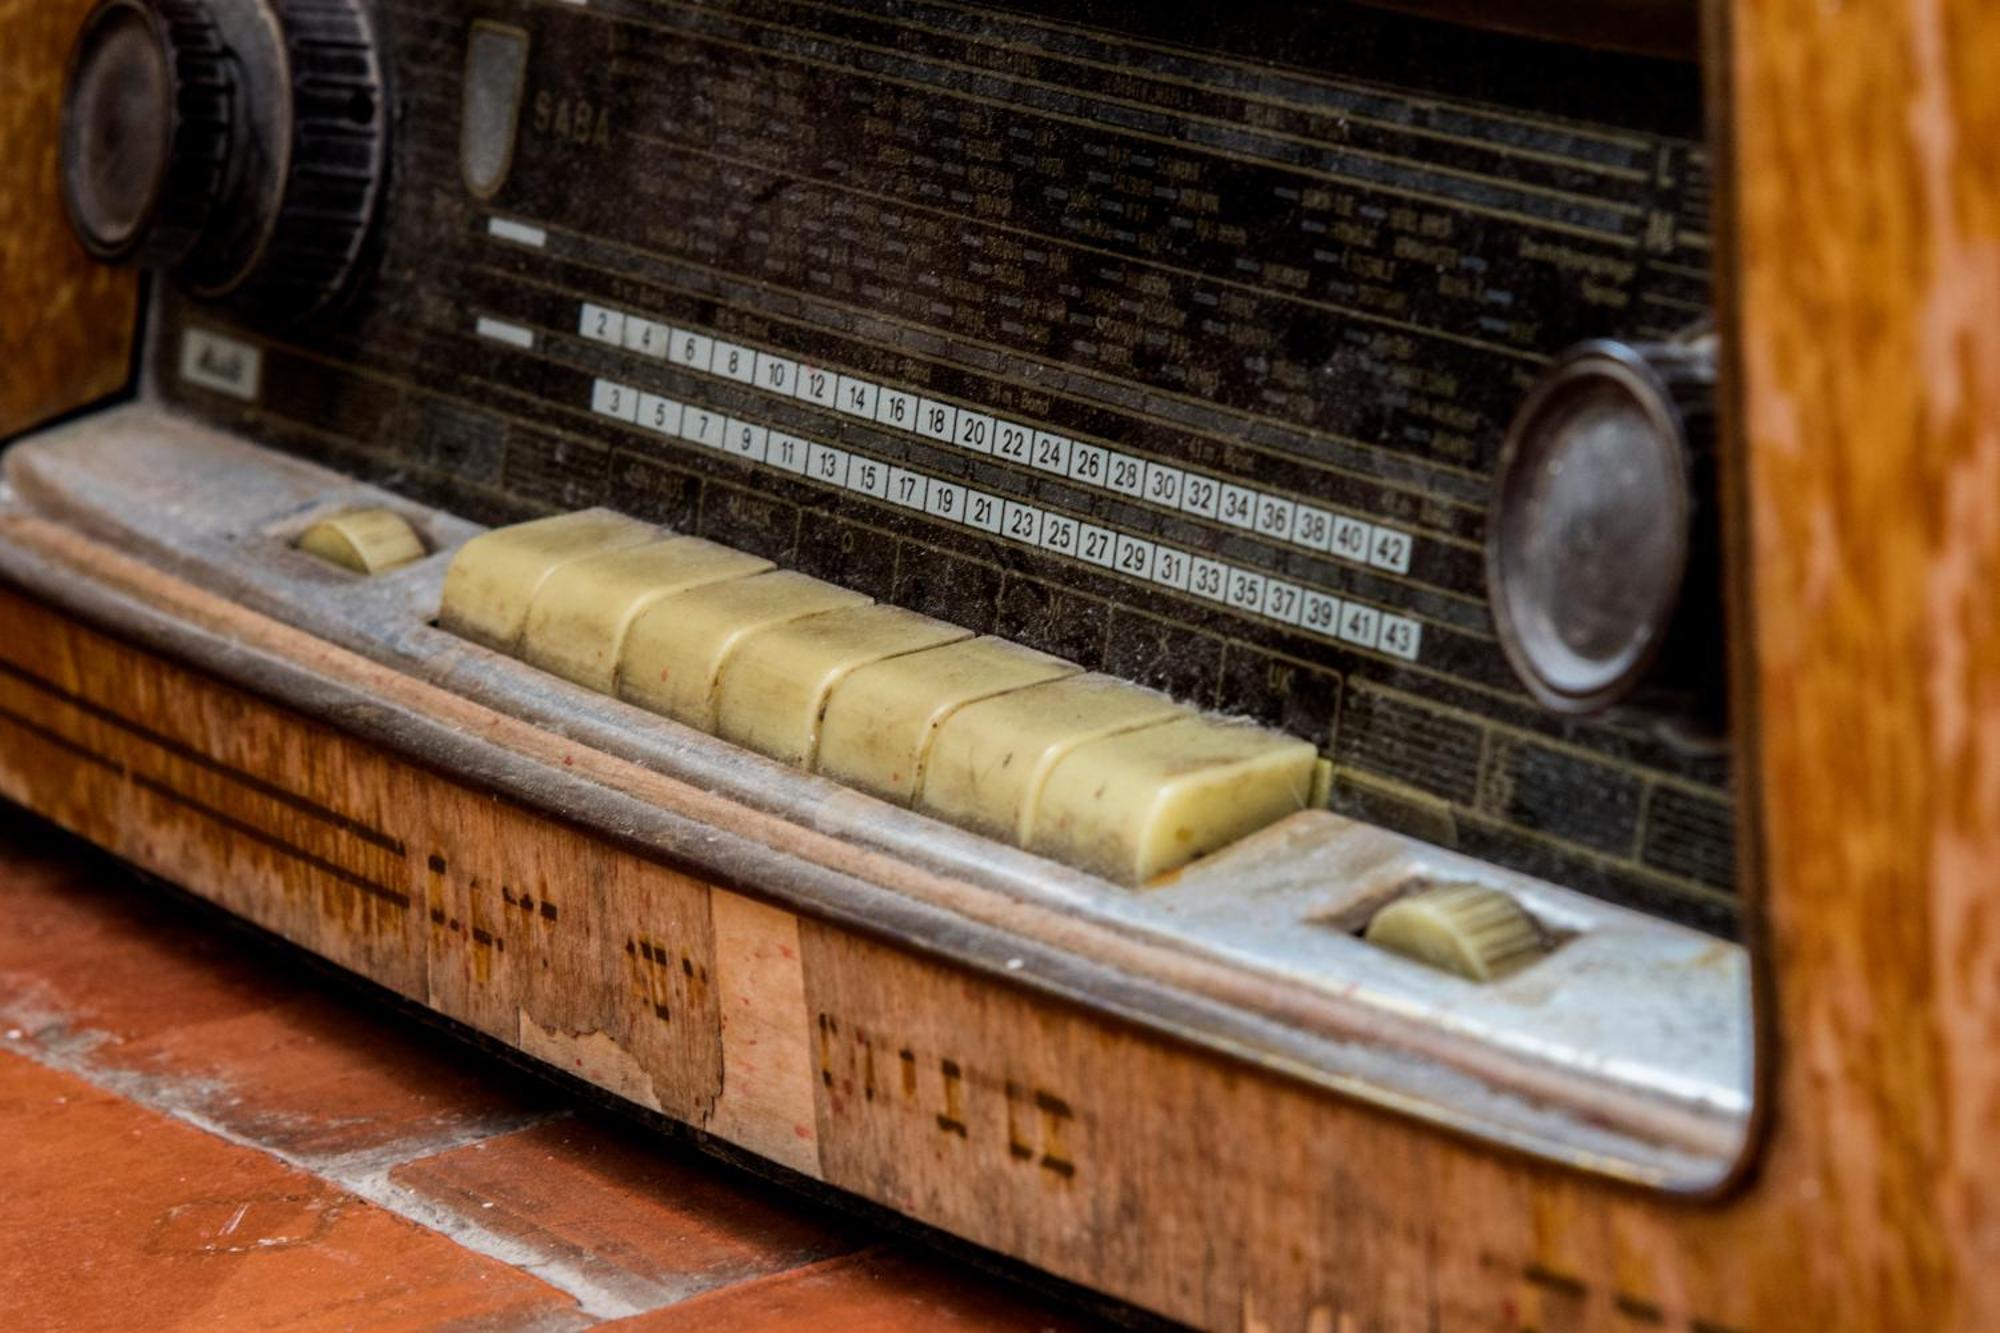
(1321, 668)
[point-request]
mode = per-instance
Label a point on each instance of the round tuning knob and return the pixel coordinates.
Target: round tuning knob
(1602, 545)
(148, 120)
(239, 144)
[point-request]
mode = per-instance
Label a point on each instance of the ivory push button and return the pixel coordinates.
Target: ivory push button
(989, 759)
(774, 686)
(676, 648)
(1144, 802)
(880, 720)
(1468, 930)
(495, 576)
(366, 541)
(580, 616)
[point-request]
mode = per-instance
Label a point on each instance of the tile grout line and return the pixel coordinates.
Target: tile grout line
(46, 1039)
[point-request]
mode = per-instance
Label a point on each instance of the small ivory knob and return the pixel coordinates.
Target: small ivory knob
(367, 541)
(1465, 929)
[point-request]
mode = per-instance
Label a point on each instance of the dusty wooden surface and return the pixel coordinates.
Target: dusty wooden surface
(65, 322)
(196, 1133)
(1170, 1178)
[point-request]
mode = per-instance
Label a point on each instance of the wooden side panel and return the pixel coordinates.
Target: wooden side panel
(1868, 182)
(66, 323)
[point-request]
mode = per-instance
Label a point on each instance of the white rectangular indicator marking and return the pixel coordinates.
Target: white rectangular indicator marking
(1060, 533)
(982, 511)
(907, 488)
(746, 439)
(1237, 507)
(646, 338)
(1312, 528)
(1021, 522)
(1124, 473)
(1283, 601)
(602, 325)
(1390, 550)
(937, 420)
(520, 233)
(1350, 539)
(787, 452)
(1098, 545)
(703, 426)
(1133, 555)
(1320, 613)
(1245, 590)
(222, 364)
(1400, 637)
(776, 373)
(1052, 452)
(1011, 441)
(1163, 484)
(869, 477)
(612, 399)
(1089, 463)
(857, 398)
(691, 349)
(946, 500)
(734, 362)
(1274, 517)
(500, 331)
(659, 414)
(1359, 624)
(1208, 578)
(1202, 495)
(1171, 568)
(819, 387)
(975, 432)
(828, 464)
(897, 409)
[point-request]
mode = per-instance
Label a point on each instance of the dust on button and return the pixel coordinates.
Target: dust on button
(496, 68)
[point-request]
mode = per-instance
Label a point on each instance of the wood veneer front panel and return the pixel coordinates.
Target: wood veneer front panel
(66, 323)
(1184, 1182)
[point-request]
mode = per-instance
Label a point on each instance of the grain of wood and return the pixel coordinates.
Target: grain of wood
(66, 322)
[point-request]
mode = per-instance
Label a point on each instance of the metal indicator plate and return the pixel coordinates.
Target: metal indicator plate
(1178, 344)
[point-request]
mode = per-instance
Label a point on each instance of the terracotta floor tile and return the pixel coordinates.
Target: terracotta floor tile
(879, 1291)
(154, 987)
(650, 1225)
(114, 1216)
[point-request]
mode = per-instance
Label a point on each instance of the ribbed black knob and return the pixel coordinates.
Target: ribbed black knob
(338, 153)
(149, 120)
(1603, 541)
(241, 144)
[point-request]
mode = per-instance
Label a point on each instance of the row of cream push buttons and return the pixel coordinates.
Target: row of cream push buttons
(978, 731)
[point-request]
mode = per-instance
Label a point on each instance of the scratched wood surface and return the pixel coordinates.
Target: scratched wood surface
(1867, 192)
(65, 322)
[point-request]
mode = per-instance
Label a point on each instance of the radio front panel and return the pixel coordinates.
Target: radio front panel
(1179, 346)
